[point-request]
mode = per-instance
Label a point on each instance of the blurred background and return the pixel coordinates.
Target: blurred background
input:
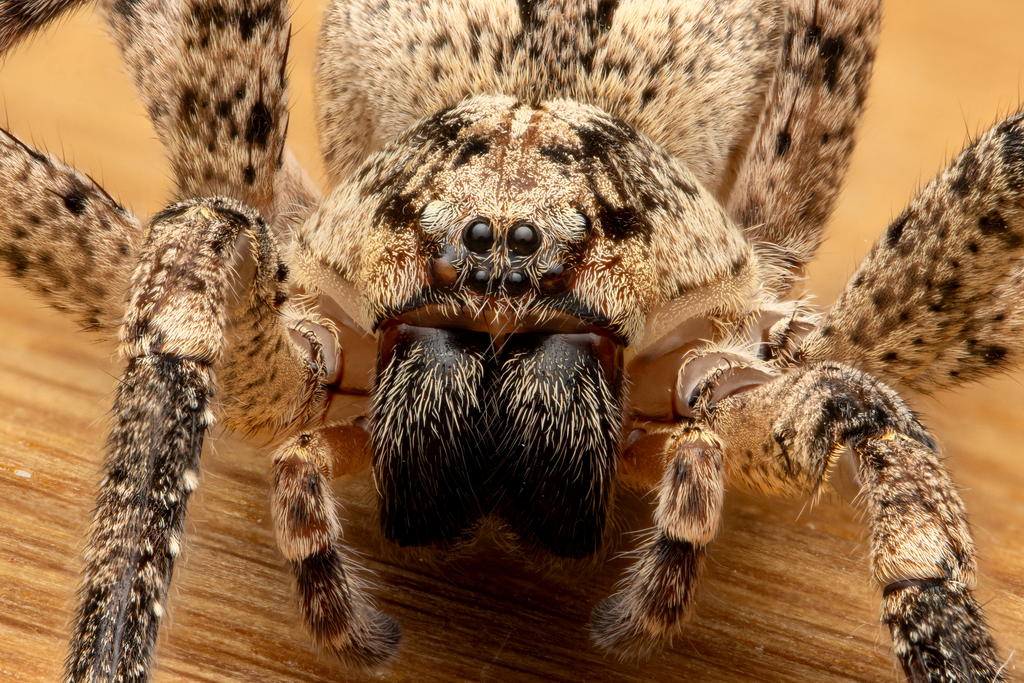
(787, 596)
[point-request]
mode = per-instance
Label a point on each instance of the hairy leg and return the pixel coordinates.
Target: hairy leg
(173, 335)
(63, 237)
(789, 435)
(937, 301)
(788, 182)
(658, 592)
(212, 76)
(336, 610)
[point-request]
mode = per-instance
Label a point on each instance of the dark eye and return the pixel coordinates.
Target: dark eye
(516, 283)
(479, 237)
(480, 280)
(524, 239)
(556, 280)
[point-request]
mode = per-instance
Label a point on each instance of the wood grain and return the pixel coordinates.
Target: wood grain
(787, 596)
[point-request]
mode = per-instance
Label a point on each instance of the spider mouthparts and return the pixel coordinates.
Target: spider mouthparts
(498, 322)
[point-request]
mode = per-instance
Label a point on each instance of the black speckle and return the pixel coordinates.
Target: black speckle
(968, 167)
(259, 125)
(188, 107)
(993, 225)
(1013, 150)
(560, 154)
(782, 143)
(621, 222)
(528, 14)
(475, 146)
(443, 128)
(16, 259)
(440, 41)
(210, 16)
(602, 16)
(895, 231)
(831, 53)
(813, 34)
(647, 95)
(249, 20)
(126, 8)
(993, 355)
(474, 41)
(249, 175)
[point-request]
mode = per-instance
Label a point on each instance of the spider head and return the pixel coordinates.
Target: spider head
(504, 216)
(508, 254)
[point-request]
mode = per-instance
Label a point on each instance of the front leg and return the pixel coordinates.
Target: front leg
(787, 436)
(335, 607)
(658, 593)
(173, 336)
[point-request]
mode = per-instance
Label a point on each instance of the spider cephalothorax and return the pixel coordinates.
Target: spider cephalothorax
(556, 256)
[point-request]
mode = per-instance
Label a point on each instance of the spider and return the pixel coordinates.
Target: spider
(531, 535)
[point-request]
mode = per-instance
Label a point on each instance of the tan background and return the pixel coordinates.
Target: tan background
(787, 596)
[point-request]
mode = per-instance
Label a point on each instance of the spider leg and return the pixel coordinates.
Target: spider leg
(657, 594)
(335, 609)
(937, 302)
(788, 435)
(147, 33)
(212, 76)
(788, 182)
(20, 18)
(173, 336)
(63, 237)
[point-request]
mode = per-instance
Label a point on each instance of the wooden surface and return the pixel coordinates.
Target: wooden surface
(787, 596)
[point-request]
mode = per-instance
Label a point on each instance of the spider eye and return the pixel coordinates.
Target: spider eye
(479, 237)
(516, 283)
(524, 239)
(556, 279)
(480, 280)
